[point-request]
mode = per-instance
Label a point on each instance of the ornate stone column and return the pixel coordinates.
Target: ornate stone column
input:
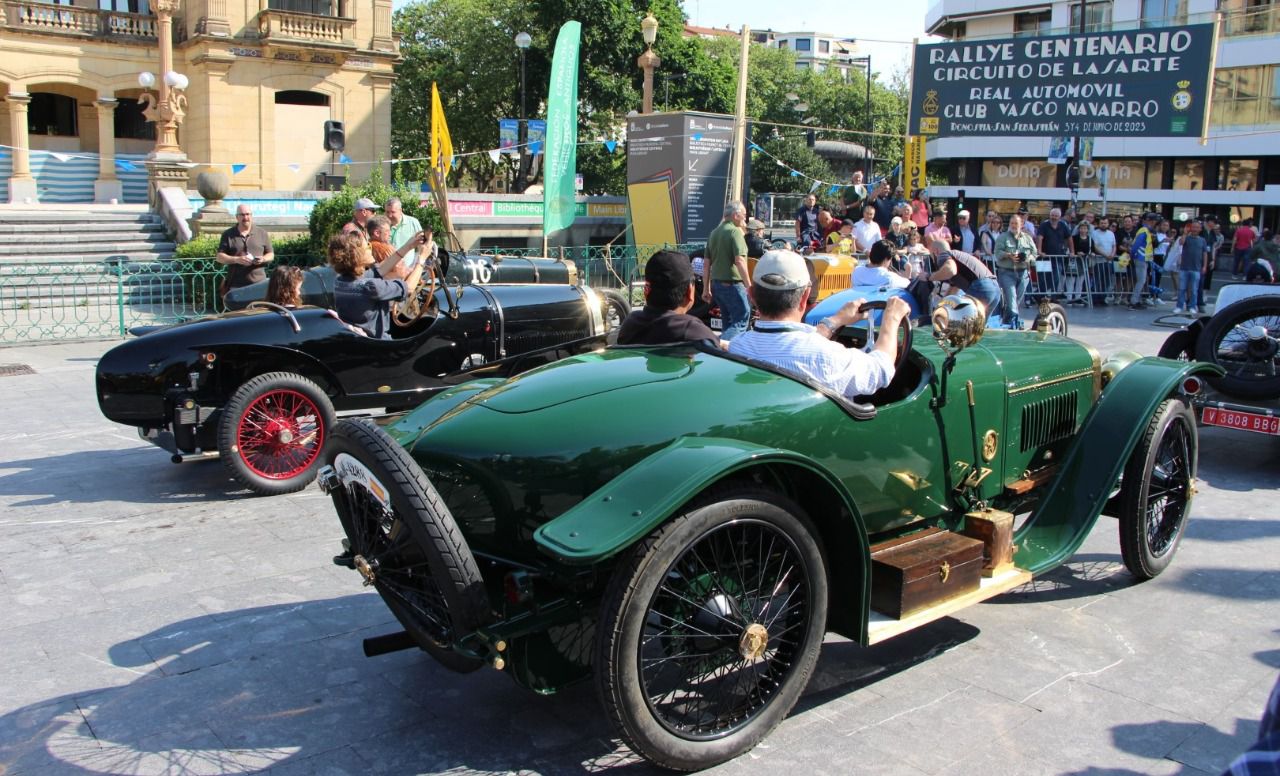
(166, 164)
(22, 187)
(108, 186)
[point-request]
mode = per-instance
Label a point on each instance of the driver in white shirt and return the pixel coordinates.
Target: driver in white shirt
(780, 289)
(866, 232)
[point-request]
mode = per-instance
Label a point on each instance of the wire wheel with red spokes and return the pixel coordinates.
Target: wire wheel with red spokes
(273, 431)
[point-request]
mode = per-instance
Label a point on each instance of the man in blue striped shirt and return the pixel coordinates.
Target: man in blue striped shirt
(780, 289)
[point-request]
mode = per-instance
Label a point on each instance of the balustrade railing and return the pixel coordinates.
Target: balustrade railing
(291, 25)
(84, 22)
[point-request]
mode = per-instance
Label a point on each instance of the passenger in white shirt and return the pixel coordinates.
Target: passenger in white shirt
(780, 289)
(866, 232)
(878, 272)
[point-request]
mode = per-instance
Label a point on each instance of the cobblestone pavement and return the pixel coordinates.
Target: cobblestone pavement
(158, 620)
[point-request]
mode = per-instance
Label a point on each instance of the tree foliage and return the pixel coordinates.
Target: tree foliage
(328, 215)
(766, 175)
(467, 47)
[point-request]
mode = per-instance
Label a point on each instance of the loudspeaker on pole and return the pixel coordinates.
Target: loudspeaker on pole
(335, 136)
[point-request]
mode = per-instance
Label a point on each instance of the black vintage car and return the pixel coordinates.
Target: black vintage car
(467, 269)
(260, 386)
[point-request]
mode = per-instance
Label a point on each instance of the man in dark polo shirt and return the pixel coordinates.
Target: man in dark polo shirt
(668, 294)
(245, 249)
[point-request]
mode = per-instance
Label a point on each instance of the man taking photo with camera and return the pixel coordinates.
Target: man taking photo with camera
(1015, 250)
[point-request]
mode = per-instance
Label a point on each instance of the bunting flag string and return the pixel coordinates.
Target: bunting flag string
(494, 154)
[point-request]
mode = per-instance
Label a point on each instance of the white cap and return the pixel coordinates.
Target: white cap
(962, 214)
(787, 269)
(896, 220)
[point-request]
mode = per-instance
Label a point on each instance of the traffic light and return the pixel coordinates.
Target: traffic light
(1073, 178)
(811, 138)
(960, 200)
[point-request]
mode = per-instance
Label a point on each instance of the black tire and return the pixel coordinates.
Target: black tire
(1055, 319)
(662, 579)
(273, 431)
(1180, 346)
(395, 536)
(616, 308)
(1253, 369)
(1155, 494)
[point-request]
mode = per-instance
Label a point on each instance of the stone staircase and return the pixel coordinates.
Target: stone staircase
(86, 257)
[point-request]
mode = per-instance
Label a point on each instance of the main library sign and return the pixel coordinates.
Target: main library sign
(1130, 83)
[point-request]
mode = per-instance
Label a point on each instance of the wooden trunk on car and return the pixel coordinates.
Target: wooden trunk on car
(915, 572)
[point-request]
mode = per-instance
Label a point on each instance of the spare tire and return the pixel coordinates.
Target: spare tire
(1242, 339)
(405, 543)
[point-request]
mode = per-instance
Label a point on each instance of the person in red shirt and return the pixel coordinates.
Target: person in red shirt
(920, 209)
(1241, 244)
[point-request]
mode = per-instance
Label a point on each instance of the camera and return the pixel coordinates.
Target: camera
(1022, 255)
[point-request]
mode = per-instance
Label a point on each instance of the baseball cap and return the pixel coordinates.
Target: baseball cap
(364, 203)
(669, 269)
(755, 223)
(1023, 209)
(962, 214)
(786, 271)
(1149, 216)
(896, 220)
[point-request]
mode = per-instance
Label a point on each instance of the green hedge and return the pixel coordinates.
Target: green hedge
(328, 216)
(288, 250)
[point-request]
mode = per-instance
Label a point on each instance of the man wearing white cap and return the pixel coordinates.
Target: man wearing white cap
(780, 289)
(963, 236)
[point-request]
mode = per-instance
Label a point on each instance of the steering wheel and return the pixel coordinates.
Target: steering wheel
(419, 300)
(904, 334)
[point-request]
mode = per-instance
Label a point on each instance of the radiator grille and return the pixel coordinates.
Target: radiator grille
(1048, 420)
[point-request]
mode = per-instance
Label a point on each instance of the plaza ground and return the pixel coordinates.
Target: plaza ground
(158, 619)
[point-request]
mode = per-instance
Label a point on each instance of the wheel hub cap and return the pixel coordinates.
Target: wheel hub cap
(365, 569)
(285, 436)
(753, 641)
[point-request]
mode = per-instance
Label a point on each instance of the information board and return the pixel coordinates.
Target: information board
(677, 174)
(1124, 83)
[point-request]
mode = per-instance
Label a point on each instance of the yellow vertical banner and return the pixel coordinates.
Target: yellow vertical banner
(441, 145)
(914, 167)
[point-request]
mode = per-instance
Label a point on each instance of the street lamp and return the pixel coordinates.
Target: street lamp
(167, 109)
(870, 127)
(522, 43)
(648, 61)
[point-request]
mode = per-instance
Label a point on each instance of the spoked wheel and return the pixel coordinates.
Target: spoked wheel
(405, 543)
(710, 629)
(1244, 339)
(1054, 319)
(615, 309)
(1155, 496)
(273, 430)
(1180, 346)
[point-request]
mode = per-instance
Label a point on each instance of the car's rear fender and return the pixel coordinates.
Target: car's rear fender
(233, 365)
(632, 504)
(1091, 467)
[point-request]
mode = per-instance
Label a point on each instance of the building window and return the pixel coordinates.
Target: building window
(802, 66)
(293, 97)
(1238, 95)
(1163, 13)
(1250, 17)
(129, 121)
(1188, 174)
(824, 47)
(782, 44)
(1027, 24)
(125, 6)
(804, 44)
(316, 7)
(1097, 16)
(1238, 174)
(52, 114)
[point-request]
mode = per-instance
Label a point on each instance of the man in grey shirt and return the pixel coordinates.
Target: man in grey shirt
(1194, 247)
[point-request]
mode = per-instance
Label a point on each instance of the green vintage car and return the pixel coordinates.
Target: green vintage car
(684, 525)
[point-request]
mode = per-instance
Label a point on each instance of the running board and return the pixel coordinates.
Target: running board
(881, 626)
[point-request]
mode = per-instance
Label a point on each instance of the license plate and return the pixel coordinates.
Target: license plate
(1245, 421)
(717, 324)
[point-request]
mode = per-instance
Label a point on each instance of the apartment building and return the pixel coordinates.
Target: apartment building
(1236, 174)
(263, 77)
(818, 52)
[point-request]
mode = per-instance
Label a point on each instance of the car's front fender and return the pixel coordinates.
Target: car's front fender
(641, 498)
(1092, 466)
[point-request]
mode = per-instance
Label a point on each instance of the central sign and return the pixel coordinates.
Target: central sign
(1126, 83)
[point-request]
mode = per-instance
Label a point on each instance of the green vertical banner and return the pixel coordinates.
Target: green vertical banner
(558, 195)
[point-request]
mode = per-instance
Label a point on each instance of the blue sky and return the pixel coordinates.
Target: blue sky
(883, 20)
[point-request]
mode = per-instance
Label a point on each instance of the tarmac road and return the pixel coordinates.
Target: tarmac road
(157, 620)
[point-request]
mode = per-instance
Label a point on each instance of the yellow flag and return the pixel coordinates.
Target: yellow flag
(441, 145)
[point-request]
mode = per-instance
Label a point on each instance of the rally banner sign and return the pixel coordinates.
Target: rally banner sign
(1124, 83)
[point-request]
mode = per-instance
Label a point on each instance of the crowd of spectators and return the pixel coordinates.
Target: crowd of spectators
(1138, 260)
